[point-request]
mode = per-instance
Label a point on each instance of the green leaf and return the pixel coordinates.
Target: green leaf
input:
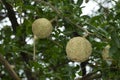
(79, 2)
(115, 38)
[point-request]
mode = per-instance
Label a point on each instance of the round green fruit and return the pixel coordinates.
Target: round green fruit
(105, 53)
(78, 49)
(42, 28)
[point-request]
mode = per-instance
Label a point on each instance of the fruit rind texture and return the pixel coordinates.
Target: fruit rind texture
(42, 28)
(78, 49)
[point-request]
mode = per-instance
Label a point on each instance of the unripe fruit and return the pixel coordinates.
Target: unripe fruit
(42, 28)
(105, 53)
(78, 49)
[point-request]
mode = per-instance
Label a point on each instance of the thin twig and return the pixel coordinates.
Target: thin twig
(50, 5)
(57, 43)
(34, 48)
(9, 68)
(54, 19)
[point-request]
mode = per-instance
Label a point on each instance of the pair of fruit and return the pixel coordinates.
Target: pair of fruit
(78, 48)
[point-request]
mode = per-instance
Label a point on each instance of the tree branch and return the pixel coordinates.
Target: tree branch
(9, 68)
(83, 67)
(21, 38)
(60, 13)
(11, 15)
(91, 76)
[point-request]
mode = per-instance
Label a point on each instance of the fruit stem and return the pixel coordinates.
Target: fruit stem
(34, 48)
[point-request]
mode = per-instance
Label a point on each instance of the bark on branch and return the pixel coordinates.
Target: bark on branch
(11, 15)
(9, 68)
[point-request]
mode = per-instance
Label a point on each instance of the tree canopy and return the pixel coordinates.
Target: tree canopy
(101, 28)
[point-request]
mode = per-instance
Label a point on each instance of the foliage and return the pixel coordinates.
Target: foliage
(103, 28)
